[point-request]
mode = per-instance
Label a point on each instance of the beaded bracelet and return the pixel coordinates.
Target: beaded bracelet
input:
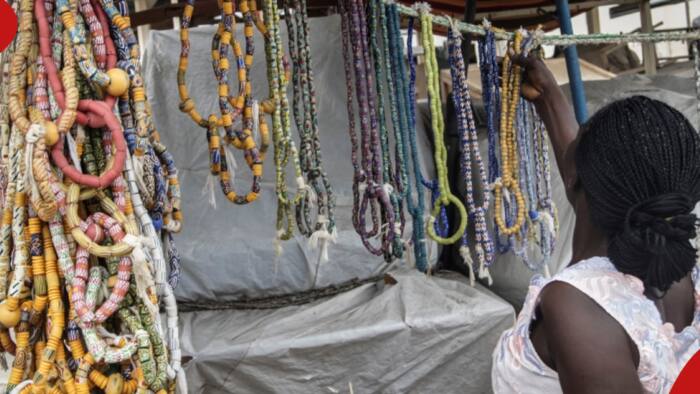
(96, 226)
(446, 197)
(74, 224)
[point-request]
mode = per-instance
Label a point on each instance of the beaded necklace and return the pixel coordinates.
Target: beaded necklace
(540, 227)
(546, 209)
(240, 138)
(377, 26)
(306, 117)
(285, 148)
(470, 156)
(492, 101)
(442, 225)
(438, 125)
(510, 95)
(369, 190)
(404, 96)
(43, 106)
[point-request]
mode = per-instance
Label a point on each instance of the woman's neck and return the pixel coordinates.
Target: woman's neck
(588, 240)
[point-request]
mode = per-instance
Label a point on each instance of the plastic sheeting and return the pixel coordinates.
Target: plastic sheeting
(228, 251)
(421, 335)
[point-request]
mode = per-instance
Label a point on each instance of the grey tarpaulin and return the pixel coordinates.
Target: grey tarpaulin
(228, 251)
(422, 334)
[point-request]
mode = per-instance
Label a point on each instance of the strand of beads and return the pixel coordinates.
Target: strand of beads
(393, 182)
(323, 231)
(438, 125)
(46, 98)
(285, 148)
(546, 209)
(508, 184)
(442, 225)
(240, 138)
(404, 99)
(470, 156)
(491, 98)
(368, 190)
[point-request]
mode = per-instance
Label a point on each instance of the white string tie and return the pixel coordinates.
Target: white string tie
(35, 132)
(278, 242)
(483, 269)
(322, 238)
(209, 189)
(465, 253)
(142, 273)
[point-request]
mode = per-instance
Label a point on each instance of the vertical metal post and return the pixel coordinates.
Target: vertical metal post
(469, 14)
(573, 68)
(593, 21)
(648, 48)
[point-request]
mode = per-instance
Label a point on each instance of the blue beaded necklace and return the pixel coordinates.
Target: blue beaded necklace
(492, 105)
(469, 157)
(406, 133)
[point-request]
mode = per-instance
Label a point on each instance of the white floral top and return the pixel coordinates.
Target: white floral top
(517, 368)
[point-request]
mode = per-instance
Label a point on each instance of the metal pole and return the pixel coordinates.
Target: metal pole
(593, 21)
(573, 68)
(648, 48)
(469, 13)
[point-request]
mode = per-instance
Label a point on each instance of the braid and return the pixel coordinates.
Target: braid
(638, 160)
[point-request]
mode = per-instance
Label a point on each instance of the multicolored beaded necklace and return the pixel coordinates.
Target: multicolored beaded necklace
(231, 107)
(306, 117)
(393, 179)
(369, 188)
(80, 209)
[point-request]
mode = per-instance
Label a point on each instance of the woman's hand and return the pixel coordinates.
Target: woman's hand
(540, 87)
(538, 81)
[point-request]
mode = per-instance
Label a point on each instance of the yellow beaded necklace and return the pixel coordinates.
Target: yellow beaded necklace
(510, 94)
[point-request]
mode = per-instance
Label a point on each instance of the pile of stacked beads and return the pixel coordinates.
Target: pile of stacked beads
(88, 197)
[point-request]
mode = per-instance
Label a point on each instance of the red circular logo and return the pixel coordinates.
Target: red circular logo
(8, 25)
(689, 380)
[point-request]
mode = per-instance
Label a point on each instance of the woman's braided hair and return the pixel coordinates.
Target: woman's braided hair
(638, 161)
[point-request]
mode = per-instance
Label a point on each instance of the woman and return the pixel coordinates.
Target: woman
(624, 317)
